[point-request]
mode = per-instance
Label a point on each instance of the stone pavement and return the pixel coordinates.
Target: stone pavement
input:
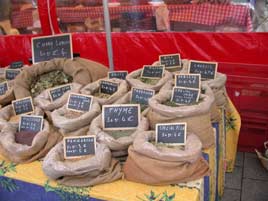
(249, 180)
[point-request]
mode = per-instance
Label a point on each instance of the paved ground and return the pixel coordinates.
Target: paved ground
(248, 182)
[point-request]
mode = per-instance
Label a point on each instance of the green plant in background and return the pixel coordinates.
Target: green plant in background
(157, 197)
(68, 193)
(7, 183)
(230, 123)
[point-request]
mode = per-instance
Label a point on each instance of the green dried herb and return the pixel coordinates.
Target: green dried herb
(120, 133)
(49, 80)
(148, 80)
(161, 145)
(173, 104)
(101, 95)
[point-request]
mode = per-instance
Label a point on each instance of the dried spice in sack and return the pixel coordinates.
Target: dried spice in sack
(101, 95)
(72, 114)
(25, 137)
(120, 133)
(49, 80)
(148, 81)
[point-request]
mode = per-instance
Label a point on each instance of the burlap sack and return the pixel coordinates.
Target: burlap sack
(78, 132)
(83, 72)
(43, 100)
(218, 87)
(196, 116)
(121, 143)
(134, 82)
(94, 87)
(153, 165)
(9, 96)
(67, 125)
(87, 171)
(18, 153)
(174, 71)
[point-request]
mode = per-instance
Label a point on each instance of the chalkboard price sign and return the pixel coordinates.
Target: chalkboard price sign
(120, 117)
(141, 96)
(170, 61)
(185, 96)
(58, 92)
(79, 146)
(117, 74)
(23, 106)
(187, 80)
(207, 70)
(50, 47)
(11, 74)
(171, 133)
(153, 72)
(108, 87)
(3, 88)
(16, 64)
(31, 123)
(79, 102)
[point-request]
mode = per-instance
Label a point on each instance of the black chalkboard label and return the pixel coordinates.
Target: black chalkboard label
(11, 74)
(16, 64)
(141, 96)
(31, 123)
(187, 80)
(171, 133)
(79, 102)
(3, 88)
(170, 60)
(185, 96)
(153, 72)
(23, 106)
(58, 92)
(50, 47)
(119, 117)
(79, 146)
(207, 70)
(117, 74)
(107, 87)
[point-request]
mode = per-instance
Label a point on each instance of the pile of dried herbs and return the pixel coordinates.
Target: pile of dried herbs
(101, 95)
(169, 146)
(173, 104)
(72, 114)
(148, 80)
(49, 80)
(120, 133)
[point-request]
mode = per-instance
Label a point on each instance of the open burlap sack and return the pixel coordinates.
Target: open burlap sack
(87, 171)
(134, 82)
(43, 100)
(94, 88)
(196, 116)
(121, 143)
(153, 165)
(218, 87)
(67, 125)
(19, 153)
(83, 72)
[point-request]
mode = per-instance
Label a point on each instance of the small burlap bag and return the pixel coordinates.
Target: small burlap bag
(121, 143)
(43, 100)
(87, 171)
(19, 153)
(159, 165)
(218, 87)
(67, 125)
(83, 72)
(196, 116)
(132, 79)
(94, 88)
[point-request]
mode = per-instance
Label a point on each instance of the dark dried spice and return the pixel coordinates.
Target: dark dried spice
(25, 137)
(49, 80)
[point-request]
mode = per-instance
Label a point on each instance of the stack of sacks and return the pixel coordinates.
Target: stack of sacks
(86, 171)
(196, 116)
(134, 79)
(118, 141)
(69, 121)
(154, 164)
(105, 99)
(24, 147)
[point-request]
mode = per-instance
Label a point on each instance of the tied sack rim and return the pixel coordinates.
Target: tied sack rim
(94, 87)
(55, 166)
(134, 82)
(191, 153)
(165, 94)
(218, 83)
